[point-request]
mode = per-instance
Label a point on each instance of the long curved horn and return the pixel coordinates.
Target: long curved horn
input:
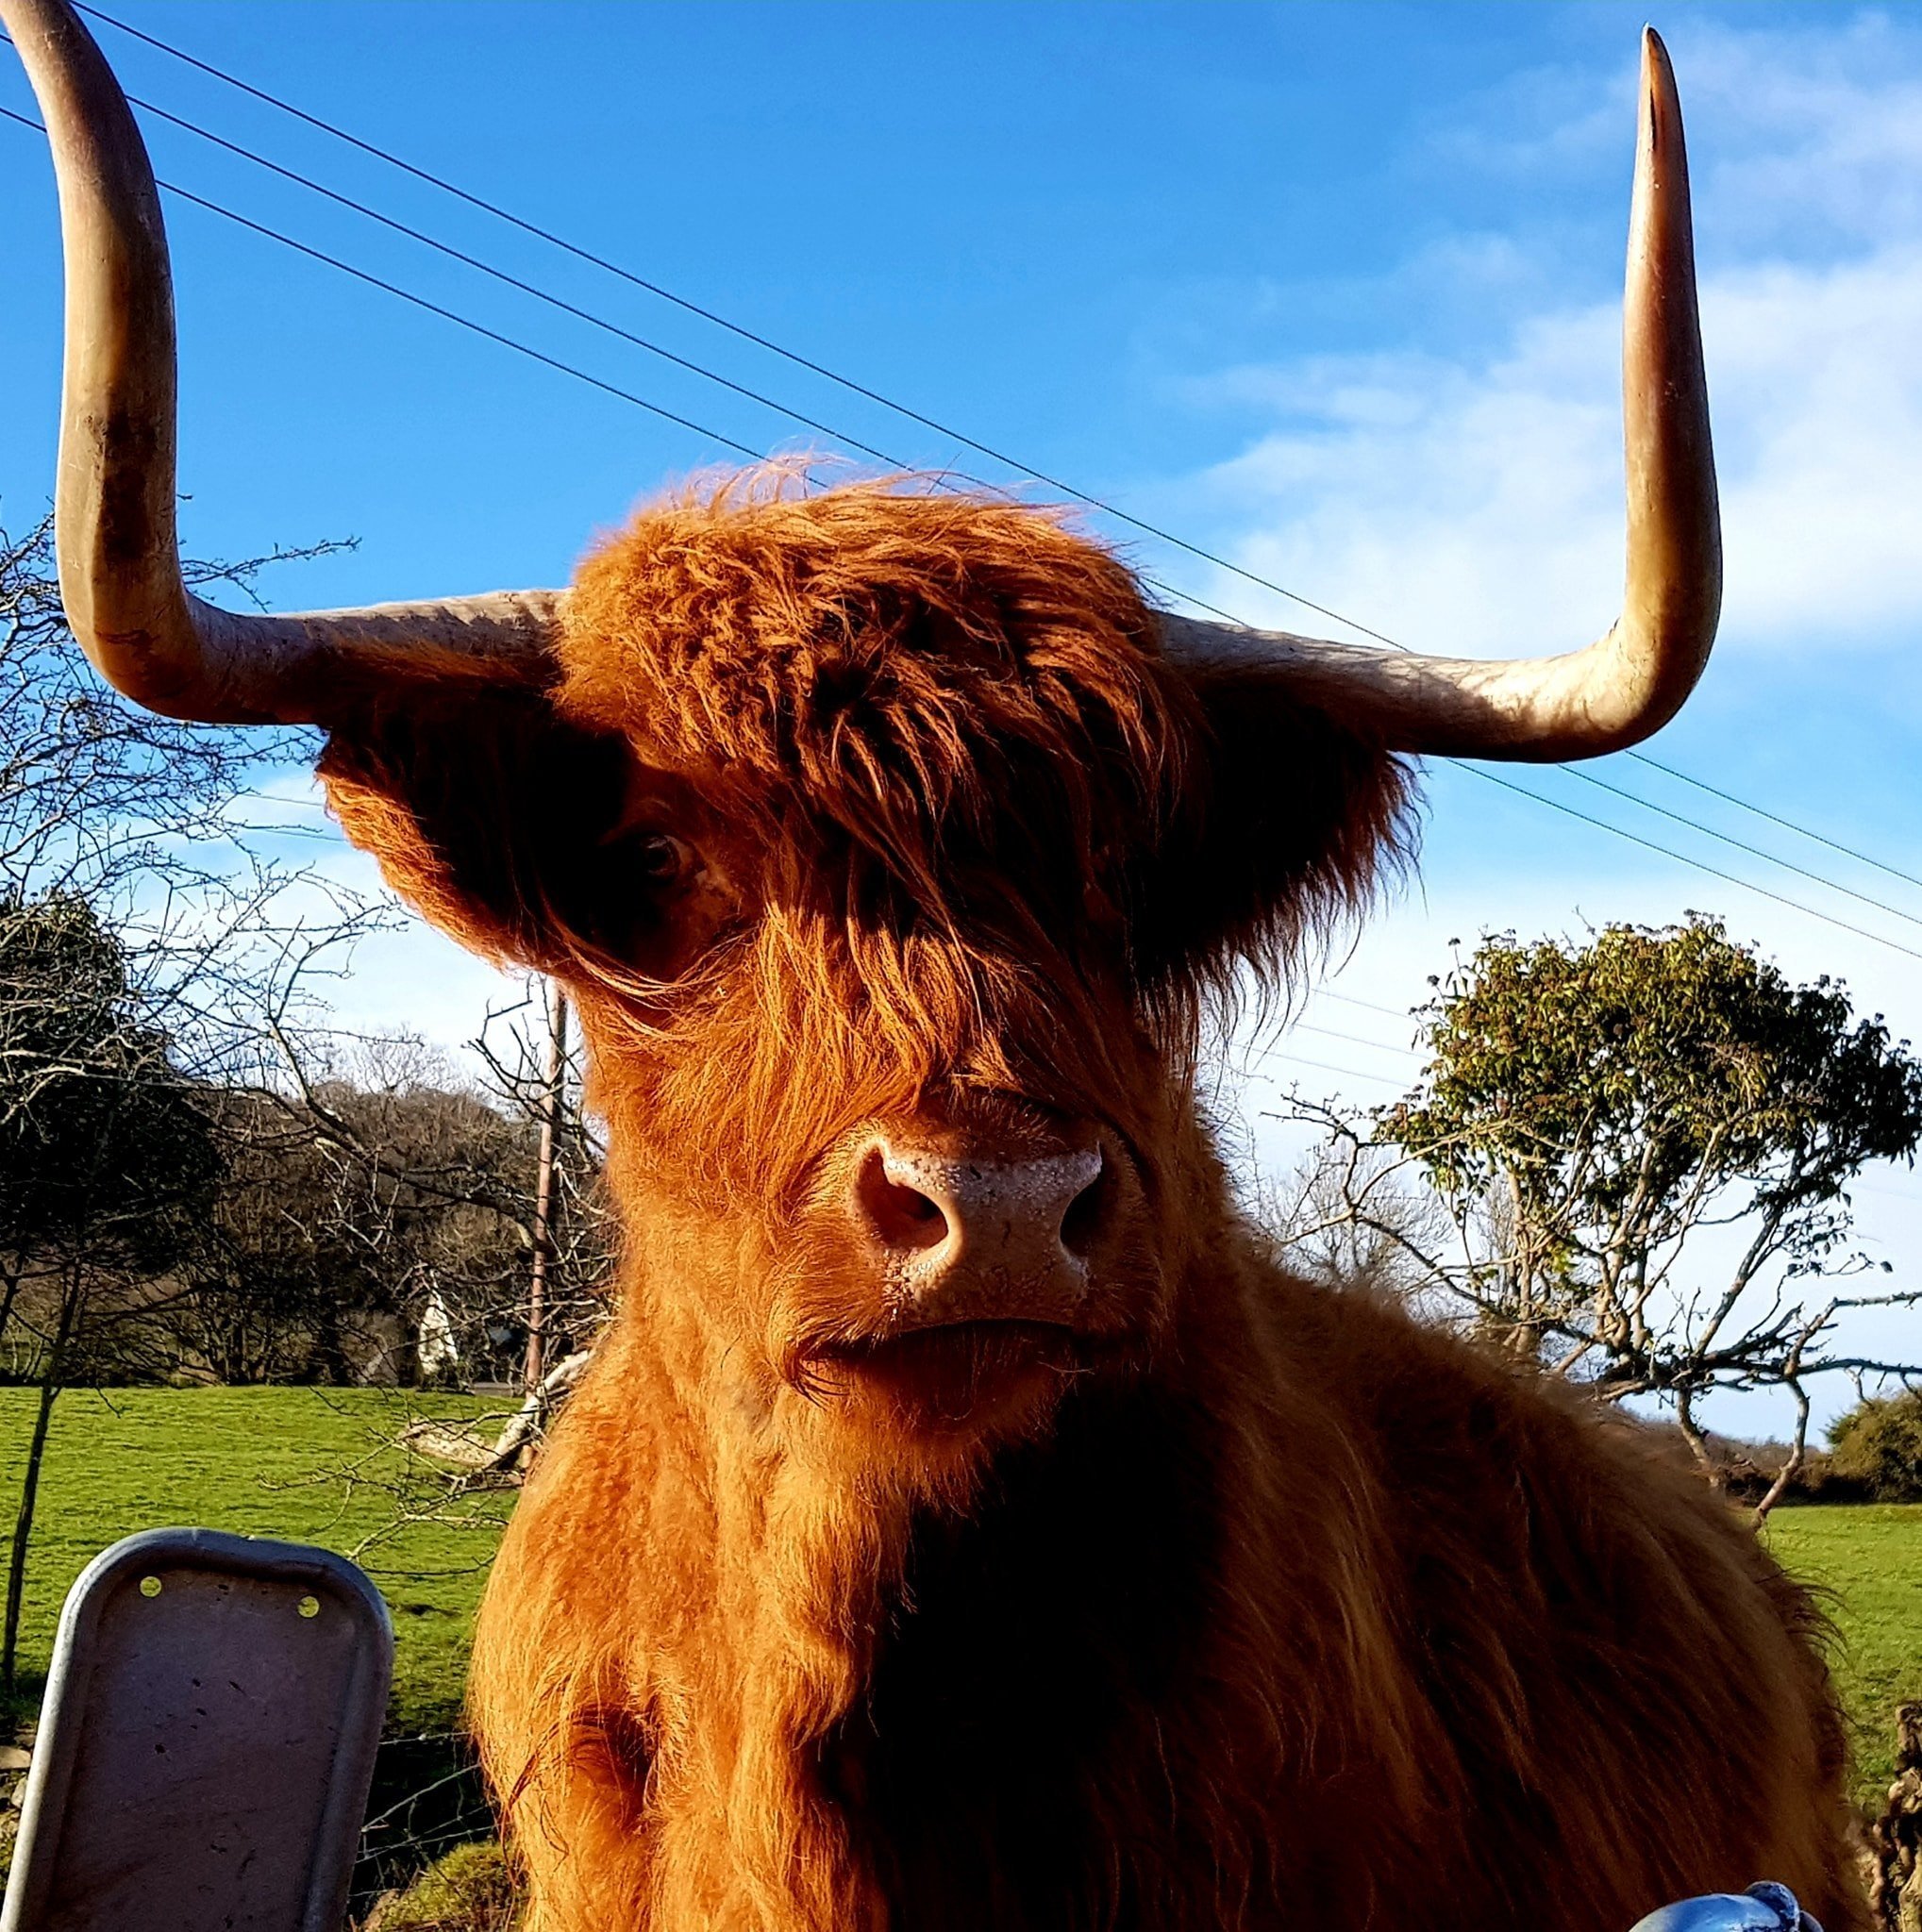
(1633, 679)
(120, 567)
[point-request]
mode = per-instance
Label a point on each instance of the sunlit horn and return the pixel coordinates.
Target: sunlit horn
(120, 568)
(1633, 679)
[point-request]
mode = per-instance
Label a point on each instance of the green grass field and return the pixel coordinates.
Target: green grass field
(316, 1465)
(1868, 1557)
(310, 1465)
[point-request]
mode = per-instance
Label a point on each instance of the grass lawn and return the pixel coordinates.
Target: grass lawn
(1869, 1556)
(308, 1465)
(312, 1465)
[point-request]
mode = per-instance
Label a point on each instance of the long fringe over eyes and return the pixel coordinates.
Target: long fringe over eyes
(959, 705)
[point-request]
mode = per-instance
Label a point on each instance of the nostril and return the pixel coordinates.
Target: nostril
(898, 1216)
(1081, 1224)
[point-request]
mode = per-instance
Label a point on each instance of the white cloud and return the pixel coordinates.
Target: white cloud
(1789, 127)
(1818, 376)
(1821, 123)
(1474, 503)
(1476, 507)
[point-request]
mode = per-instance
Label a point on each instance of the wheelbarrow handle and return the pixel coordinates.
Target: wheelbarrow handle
(1765, 1908)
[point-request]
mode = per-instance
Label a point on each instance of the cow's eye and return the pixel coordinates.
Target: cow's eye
(661, 859)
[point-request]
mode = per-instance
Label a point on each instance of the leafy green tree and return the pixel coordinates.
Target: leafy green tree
(108, 1164)
(1879, 1444)
(101, 1139)
(1592, 1115)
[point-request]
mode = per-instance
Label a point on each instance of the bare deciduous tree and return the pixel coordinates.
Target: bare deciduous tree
(145, 927)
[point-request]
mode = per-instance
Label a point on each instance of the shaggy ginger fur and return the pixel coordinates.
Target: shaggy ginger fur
(1252, 1605)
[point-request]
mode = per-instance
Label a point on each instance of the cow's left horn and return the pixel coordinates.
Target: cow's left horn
(1633, 679)
(120, 568)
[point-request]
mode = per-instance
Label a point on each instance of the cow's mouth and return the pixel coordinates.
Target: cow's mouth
(958, 1372)
(985, 1338)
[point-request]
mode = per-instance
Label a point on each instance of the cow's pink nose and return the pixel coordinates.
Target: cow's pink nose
(965, 1238)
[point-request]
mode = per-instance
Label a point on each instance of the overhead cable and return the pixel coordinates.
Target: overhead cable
(1348, 999)
(549, 237)
(502, 275)
(734, 328)
(658, 410)
(1683, 858)
(1294, 1060)
(1642, 757)
(1754, 851)
(1352, 1039)
(361, 275)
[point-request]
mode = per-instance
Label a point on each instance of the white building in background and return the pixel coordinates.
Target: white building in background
(438, 1351)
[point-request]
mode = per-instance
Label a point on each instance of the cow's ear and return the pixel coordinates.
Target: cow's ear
(487, 812)
(1288, 820)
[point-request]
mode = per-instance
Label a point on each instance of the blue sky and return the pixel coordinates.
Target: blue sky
(1330, 290)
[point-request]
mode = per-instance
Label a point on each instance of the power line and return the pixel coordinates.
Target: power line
(1348, 999)
(713, 317)
(734, 328)
(567, 307)
(682, 422)
(515, 282)
(1352, 1039)
(1754, 851)
(511, 281)
(1683, 857)
(1292, 1060)
(361, 275)
(1642, 757)
(1277, 1050)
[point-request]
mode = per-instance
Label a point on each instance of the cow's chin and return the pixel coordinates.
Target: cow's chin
(929, 1402)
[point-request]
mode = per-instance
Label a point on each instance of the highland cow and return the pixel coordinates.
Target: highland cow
(965, 1522)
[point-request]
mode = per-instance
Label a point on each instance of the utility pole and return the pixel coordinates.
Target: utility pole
(553, 1080)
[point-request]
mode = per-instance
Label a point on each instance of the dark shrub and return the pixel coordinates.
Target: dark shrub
(1879, 1445)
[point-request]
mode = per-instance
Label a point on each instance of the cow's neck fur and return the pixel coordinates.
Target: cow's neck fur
(854, 1690)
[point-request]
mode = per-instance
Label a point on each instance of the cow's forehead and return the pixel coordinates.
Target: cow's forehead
(869, 651)
(722, 617)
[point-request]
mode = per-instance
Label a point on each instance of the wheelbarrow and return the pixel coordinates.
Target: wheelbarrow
(207, 1742)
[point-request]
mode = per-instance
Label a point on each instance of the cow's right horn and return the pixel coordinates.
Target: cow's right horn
(120, 568)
